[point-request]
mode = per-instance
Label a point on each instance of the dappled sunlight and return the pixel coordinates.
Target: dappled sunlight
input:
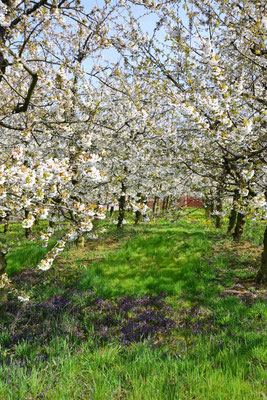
(152, 299)
(163, 260)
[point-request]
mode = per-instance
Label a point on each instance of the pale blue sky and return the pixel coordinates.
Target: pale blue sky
(147, 23)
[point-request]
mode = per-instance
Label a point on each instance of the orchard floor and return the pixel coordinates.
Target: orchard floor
(160, 311)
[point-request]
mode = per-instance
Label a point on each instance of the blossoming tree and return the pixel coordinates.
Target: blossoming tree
(211, 66)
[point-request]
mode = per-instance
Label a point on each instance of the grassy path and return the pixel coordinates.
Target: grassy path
(159, 311)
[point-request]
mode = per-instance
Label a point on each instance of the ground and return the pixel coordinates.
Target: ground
(163, 310)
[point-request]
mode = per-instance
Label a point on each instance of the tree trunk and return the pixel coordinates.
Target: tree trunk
(6, 225)
(111, 211)
(218, 223)
(80, 242)
(262, 273)
(233, 213)
(240, 223)
(163, 205)
(4, 290)
(137, 216)
(209, 208)
(28, 231)
(51, 224)
(137, 212)
(155, 204)
(122, 201)
(2, 262)
(167, 204)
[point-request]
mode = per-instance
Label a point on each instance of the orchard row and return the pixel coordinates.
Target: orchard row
(96, 111)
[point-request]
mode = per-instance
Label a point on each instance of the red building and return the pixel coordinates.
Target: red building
(185, 201)
(190, 201)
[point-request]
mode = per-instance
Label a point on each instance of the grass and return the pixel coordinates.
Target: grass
(24, 253)
(99, 327)
(158, 259)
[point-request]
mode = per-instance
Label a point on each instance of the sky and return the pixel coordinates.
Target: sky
(147, 23)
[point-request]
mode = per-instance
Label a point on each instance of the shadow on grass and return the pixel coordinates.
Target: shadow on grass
(162, 259)
(26, 256)
(226, 358)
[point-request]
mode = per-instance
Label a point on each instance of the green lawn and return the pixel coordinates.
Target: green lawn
(161, 310)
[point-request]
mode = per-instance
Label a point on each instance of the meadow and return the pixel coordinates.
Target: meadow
(163, 310)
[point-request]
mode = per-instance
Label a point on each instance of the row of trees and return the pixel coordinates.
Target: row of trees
(212, 69)
(77, 132)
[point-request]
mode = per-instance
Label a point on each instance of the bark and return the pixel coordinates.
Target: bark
(207, 211)
(240, 223)
(262, 273)
(209, 207)
(163, 205)
(111, 211)
(138, 213)
(28, 231)
(155, 204)
(3, 60)
(167, 204)
(233, 213)
(137, 216)
(52, 224)
(80, 242)
(2, 262)
(218, 223)
(122, 202)
(6, 225)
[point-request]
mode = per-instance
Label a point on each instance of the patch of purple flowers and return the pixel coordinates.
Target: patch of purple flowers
(76, 316)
